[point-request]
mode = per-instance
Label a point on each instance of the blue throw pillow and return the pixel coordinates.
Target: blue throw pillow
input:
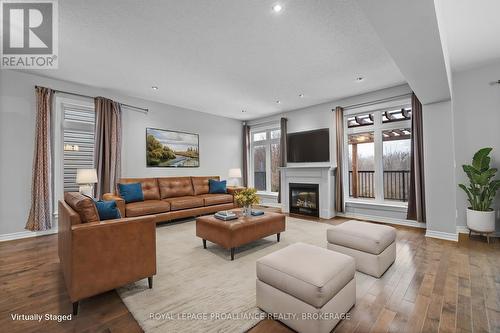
(216, 187)
(131, 192)
(107, 210)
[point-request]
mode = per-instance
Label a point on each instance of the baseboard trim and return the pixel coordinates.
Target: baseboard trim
(26, 234)
(390, 220)
(442, 235)
(462, 229)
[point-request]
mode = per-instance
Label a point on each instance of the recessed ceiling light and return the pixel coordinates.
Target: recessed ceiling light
(278, 102)
(277, 8)
(360, 78)
(301, 95)
(154, 87)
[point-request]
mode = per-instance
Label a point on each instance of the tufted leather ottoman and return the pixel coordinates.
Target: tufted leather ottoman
(234, 233)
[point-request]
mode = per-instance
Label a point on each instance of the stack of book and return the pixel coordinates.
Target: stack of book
(225, 215)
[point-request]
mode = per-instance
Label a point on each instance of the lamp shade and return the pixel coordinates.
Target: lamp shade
(235, 173)
(86, 176)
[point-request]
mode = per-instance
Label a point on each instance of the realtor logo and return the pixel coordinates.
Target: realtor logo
(29, 34)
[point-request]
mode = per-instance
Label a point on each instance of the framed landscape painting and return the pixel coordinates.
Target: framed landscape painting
(173, 149)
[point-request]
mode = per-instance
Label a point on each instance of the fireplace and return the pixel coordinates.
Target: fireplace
(304, 199)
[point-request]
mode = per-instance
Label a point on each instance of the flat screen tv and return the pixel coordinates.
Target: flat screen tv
(310, 146)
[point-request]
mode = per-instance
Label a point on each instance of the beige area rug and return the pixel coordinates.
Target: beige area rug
(192, 281)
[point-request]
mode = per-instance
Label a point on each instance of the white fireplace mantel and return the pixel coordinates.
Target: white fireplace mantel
(321, 174)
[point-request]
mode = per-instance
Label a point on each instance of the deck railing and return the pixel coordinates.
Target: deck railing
(396, 184)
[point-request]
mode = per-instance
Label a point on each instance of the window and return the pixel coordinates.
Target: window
(265, 159)
(378, 149)
(74, 127)
(361, 165)
(78, 142)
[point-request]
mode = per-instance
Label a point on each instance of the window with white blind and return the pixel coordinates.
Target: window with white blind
(78, 142)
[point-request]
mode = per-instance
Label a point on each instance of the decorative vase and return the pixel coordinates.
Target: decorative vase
(481, 221)
(247, 210)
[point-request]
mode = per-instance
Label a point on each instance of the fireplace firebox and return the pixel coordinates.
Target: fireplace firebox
(304, 199)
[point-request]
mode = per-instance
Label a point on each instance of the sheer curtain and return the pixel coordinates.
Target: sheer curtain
(41, 199)
(107, 154)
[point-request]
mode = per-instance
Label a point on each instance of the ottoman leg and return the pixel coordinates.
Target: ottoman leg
(204, 243)
(232, 253)
(278, 236)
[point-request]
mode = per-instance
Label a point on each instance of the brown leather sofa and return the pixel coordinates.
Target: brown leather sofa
(97, 256)
(173, 198)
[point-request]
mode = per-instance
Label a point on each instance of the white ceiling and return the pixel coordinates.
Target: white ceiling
(223, 56)
(472, 30)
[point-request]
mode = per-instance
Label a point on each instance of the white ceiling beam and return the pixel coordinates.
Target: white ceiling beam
(410, 33)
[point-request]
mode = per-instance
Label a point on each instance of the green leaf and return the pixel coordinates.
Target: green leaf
(481, 161)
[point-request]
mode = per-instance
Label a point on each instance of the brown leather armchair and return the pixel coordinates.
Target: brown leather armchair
(98, 256)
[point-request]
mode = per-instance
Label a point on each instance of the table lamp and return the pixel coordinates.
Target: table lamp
(235, 174)
(86, 178)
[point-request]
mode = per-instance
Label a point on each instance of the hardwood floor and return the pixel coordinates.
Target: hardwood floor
(31, 282)
(434, 286)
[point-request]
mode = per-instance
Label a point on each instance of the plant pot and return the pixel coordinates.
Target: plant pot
(481, 221)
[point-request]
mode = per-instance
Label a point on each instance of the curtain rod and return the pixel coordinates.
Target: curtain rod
(354, 106)
(145, 110)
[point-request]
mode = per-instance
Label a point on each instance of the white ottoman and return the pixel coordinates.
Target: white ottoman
(372, 245)
(308, 287)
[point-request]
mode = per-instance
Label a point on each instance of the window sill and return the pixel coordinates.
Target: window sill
(387, 205)
(267, 194)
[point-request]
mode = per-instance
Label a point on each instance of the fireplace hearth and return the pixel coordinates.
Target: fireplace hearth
(304, 199)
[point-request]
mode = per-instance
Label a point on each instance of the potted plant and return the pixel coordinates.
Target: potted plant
(481, 192)
(246, 198)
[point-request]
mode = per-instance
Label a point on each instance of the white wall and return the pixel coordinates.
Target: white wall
(439, 167)
(476, 108)
(220, 140)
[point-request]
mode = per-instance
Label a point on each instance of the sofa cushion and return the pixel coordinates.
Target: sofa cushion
(217, 187)
(149, 187)
(147, 207)
(108, 210)
(200, 184)
(131, 192)
(363, 236)
(309, 273)
(216, 199)
(172, 187)
(84, 206)
(185, 202)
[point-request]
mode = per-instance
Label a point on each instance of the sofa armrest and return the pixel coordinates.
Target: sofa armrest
(109, 254)
(233, 190)
(120, 203)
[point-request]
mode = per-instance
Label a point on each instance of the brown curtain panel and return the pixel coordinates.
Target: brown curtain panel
(283, 126)
(339, 178)
(246, 151)
(416, 197)
(107, 154)
(41, 199)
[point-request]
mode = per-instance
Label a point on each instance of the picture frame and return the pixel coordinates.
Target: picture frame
(172, 149)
